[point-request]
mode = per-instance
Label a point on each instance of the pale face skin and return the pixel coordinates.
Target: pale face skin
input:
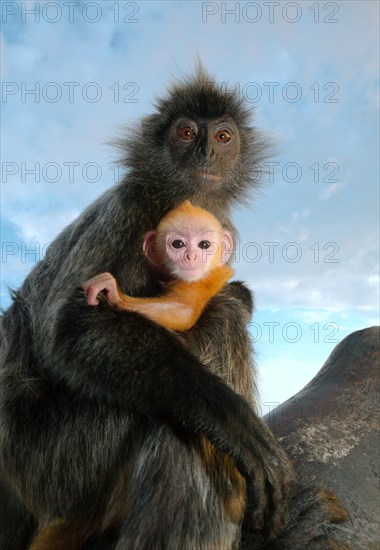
(190, 254)
(187, 246)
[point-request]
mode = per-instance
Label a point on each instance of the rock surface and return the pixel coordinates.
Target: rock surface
(331, 431)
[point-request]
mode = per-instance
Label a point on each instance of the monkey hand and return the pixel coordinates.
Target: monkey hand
(104, 282)
(268, 477)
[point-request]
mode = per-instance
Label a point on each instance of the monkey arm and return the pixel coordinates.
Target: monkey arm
(180, 308)
(118, 357)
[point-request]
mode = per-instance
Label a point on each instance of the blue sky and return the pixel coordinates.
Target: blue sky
(309, 240)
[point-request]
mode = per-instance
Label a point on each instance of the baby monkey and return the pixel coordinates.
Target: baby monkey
(191, 248)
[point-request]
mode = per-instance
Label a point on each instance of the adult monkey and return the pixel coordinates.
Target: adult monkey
(107, 419)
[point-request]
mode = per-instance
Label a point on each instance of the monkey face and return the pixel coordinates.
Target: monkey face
(207, 149)
(190, 254)
(199, 145)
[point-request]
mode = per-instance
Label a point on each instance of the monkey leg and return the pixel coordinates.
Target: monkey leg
(70, 535)
(17, 524)
(225, 480)
(175, 505)
(62, 534)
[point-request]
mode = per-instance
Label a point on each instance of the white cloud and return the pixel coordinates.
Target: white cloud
(331, 190)
(42, 229)
(316, 315)
(374, 279)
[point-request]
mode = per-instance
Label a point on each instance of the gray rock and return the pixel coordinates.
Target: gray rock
(331, 431)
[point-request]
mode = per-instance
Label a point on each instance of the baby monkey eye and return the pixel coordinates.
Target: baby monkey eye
(223, 136)
(204, 245)
(178, 244)
(187, 133)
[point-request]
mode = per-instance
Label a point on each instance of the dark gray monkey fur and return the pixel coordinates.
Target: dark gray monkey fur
(103, 412)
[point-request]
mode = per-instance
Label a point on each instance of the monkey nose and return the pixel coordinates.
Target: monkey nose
(191, 257)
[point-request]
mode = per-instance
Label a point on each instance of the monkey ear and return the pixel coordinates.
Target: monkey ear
(227, 245)
(149, 247)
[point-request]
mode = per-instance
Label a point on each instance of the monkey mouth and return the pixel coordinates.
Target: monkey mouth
(207, 175)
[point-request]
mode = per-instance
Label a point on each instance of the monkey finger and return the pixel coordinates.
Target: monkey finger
(256, 500)
(275, 518)
(101, 278)
(92, 295)
(278, 475)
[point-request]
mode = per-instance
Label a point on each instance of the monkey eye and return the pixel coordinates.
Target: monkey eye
(204, 245)
(187, 133)
(223, 136)
(178, 243)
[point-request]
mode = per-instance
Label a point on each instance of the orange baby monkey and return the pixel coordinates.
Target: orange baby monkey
(191, 248)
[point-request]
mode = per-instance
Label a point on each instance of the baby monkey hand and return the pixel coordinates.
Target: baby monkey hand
(104, 282)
